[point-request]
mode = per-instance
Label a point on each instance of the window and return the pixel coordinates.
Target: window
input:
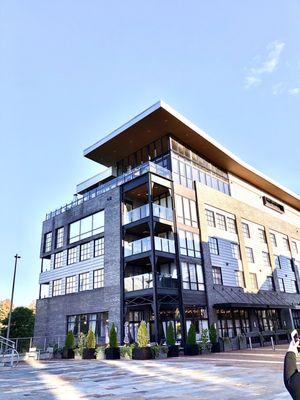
(85, 251)
(246, 230)
(72, 255)
(233, 322)
(192, 276)
(82, 323)
(294, 286)
(57, 287)
(99, 247)
(273, 205)
(262, 235)
(98, 278)
(213, 246)
(268, 320)
(217, 275)
(59, 237)
(48, 242)
(294, 247)
(189, 244)
(250, 256)
(87, 227)
(235, 250)
(186, 211)
(58, 259)
(220, 219)
(273, 239)
(210, 217)
(253, 281)
(231, 225)
(270, 283)
(71, 286)
(84, 283)
(266, 259)
(277, 262)
(281, 284)
(239, 279)
(286, 245)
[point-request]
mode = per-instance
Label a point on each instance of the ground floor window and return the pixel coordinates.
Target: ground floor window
(82, 323)
(296, 318)
(134, 319)
(198, 317)
(268, 320)
(233, 322)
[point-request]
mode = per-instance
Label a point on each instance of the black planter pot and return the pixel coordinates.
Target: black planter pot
(173, 351)
(191, 350)
(68, 353)
(88, 354)
(112, 353)
(142, 353)
(215, 348)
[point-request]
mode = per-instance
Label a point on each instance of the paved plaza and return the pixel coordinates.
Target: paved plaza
(239, 375)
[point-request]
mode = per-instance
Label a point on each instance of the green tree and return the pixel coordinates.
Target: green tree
(143, 335)
(191, 339)
(170, 335)
(70, 341)
(4, 310)
(22, 322)
(213, 334)
(91, 340)
(113, 341)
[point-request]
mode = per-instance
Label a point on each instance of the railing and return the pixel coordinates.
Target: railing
(162, 212)
(8, 353)
(120, 180)
(136, 214)
(142, 245)
(167, 281)
(138, 282)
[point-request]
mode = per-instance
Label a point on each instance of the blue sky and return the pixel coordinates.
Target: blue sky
(72, 71)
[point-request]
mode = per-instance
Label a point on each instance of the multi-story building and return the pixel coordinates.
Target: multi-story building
(175, 229)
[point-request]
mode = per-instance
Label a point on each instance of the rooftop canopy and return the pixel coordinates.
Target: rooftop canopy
(159, 120)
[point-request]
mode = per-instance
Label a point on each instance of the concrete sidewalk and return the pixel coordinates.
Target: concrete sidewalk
(255, 374)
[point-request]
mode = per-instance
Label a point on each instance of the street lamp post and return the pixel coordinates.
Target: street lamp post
(12, 296)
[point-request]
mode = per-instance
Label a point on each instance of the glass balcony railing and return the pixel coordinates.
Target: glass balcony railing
(143, 245)
(120, 180)
(142, 212)
(162, 212)
(145, 281)
(138, 282)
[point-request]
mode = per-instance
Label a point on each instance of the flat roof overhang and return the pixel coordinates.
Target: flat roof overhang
(251, 305)
(159, 120)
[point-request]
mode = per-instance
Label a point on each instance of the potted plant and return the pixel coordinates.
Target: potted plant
(226, 343)
(215, 345)
(191, 348)
(173, 350)
(242, 341)
(235, 345)
(100, 353)
(126, 351)
(89, 350)
(68, 350)
(57, 352)
(204, 342)
(143, 351)
(113, 351)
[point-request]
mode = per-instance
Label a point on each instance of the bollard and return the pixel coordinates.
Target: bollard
(272, 342)
(250, 343)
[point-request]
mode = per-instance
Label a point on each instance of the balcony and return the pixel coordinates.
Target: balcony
(145, 281)
(120, 180)
(143, 245)
(142, 212)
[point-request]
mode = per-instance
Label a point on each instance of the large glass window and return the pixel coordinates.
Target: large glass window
(233, 322)
(59, 237)
(220, 220)
(235, 250)
(189, 244)
(84, 281)
(213, 246)
(72, 255)
(47, 242)
(270, 283)
(86, 227)
(58, 259)
(217, 275)
(231, 226)
(210, 218)
(198, 317)
(192, 276)
(239, 279)
(268, 320)
(186, 211)
(85, 251)
(99, 247)
(57, 287)
(98, 278)
(71, 284)
(82, 323)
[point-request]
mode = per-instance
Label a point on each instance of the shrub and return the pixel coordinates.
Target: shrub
(113, 341)
(142, 335)
(170, 339)
(213, 334)
(204, 336)
(90, 340)
(70, 342)
(126, 351)
(191, 339)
